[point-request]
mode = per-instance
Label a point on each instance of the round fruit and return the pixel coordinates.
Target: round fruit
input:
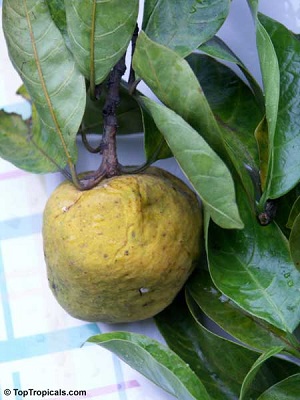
(121, 251)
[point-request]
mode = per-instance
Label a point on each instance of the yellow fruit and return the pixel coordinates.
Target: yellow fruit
(121, 251)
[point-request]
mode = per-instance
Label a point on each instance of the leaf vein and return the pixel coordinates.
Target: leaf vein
(261, 288)
(43, 84)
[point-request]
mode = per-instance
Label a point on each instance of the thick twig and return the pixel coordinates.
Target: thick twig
(92, 179)
(109, 150)
(109, 164)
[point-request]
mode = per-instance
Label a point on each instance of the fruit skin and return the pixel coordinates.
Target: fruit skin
(121, 251)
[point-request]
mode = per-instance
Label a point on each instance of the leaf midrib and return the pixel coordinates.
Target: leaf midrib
(43, 84)
(230, 305)
(156, 361)
(92, 46)
(260, 288)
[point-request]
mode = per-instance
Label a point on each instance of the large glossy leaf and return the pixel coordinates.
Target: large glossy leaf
(294, 212)
(177, 87)
(286, 145)
(253, 267)
(201, 350)
(255, 369)
(243, 326)
(38, 52)
(266, 369)
(155, 361)
(99, 34)
(203, 167)
(19, 144)
(284, 207)
(185, 24)
(215, 47)
(128, 114)
(287, 389)
(271, 81)
(279, 51)
(238, 114)
(234, 107)
(295, 242)
(220, 364)
(232, 103)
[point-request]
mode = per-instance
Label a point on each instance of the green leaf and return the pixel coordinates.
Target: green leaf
(286, 141)
(203, 167)
(271, 81)
(252, 331)
(253, 268)
(284, 206)
(232, 103)
(58, 13)
(155, 361)
(20, 145)
(128, 114)
(215, 47)
(22, 91)
(100, 32)
(237, 113)
(221, 375)
(183, 25)
(177, 81)
(261, 136)
(295, 211)
(279, 51)
(295, 244)
(39, 54)
(156, 148)
(177, 87)
(220, 364)
(255, 369)
(287, 389)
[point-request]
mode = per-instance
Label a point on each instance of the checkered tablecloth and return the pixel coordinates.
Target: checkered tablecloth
(40, 344)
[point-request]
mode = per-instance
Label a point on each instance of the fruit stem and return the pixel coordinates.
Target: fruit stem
(108, 145)
(109, 164)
